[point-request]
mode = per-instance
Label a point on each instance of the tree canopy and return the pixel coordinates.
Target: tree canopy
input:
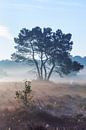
(48, 50)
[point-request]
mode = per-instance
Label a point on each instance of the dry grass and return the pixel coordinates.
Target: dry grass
(40, 90)
(54, 96)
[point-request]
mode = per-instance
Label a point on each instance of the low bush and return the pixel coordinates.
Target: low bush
(25, 94)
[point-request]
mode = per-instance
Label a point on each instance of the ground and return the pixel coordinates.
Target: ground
(55, 99)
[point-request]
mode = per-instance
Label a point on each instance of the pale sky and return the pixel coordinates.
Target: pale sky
(67, 15)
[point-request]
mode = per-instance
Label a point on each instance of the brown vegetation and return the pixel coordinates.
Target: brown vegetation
(51, 100)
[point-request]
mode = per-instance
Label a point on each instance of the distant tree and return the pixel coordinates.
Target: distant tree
(48, 50)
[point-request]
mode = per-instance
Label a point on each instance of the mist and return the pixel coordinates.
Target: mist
(21, 72)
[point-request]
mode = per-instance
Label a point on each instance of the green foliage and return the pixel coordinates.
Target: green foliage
(49, 51)
(25, 95)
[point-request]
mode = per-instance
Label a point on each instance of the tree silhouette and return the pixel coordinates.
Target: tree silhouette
(48, 50)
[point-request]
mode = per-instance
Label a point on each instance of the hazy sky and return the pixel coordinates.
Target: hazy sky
(67, 15)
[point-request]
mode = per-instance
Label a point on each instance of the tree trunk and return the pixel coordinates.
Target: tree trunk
(36, 63)
(41, 68)
(49, 75)
(45, 72)
(38, 71)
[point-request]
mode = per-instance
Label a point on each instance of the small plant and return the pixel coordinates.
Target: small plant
(83, 106)
(25, 95)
